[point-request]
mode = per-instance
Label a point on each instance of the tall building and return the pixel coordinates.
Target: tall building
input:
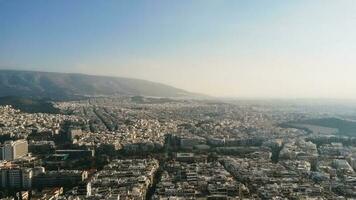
(59, 178)
(12, 150)
(27, 175)
(16, 177)
(1, 150)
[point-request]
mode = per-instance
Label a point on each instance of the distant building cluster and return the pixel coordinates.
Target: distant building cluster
(120, 179)
(197, 180)
(14, 123)
(145, 148)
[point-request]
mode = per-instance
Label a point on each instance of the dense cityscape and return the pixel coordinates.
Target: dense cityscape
(160, 148)
(177, 100)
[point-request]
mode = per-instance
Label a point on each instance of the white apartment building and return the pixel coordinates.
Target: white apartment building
(12, 150)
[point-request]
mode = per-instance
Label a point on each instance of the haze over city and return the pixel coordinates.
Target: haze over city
(177, 100)
(248, 49)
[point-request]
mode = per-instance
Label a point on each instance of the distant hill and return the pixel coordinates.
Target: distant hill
(344, 127)
(58, 86)
(29, 105)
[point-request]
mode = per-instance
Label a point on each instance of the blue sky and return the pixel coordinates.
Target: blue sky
(282, 49)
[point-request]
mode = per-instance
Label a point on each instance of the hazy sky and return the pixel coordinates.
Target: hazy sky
(241, 48)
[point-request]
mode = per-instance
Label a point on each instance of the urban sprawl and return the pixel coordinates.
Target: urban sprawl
(140, 148)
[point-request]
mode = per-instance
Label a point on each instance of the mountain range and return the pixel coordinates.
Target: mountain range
(61, 86)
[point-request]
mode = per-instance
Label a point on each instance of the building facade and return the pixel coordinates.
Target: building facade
(12, 150)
